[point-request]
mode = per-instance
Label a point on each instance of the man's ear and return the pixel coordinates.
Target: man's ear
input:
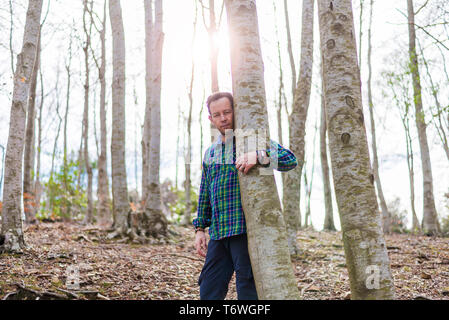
(210, 118)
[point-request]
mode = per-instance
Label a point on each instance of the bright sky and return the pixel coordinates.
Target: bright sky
(389, 46)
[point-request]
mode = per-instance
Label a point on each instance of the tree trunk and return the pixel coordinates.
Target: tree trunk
(364, 243)
(188, 158)
(11, 237)
(89, 213)
(430, 222)
(329, 212)
(212, 31)
(297, 125)
(104, 215)
(148, 86)
(37, 184)
(153, 203)
(386, 218)
(119, 182)
(267, 238)
(28, 192)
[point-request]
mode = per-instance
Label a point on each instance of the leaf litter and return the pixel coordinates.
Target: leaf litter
(71, 261)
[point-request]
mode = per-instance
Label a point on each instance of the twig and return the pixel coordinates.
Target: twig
(176, 255)
(69, 293)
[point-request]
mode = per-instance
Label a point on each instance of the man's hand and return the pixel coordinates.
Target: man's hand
(246, 161)
(200, 243)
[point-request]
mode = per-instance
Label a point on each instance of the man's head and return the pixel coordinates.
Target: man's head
(221, 110)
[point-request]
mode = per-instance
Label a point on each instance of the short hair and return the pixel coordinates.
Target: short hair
(217, 96)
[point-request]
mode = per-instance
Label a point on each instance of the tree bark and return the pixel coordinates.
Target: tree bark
(267, 238)
(430, 224)
(147, 119)
(104, 215)
(28, 188)
(119, 182)
(364, 243)
(11, 232)
(329, 212)
(297, 125)
(153, 203)
(87, 31)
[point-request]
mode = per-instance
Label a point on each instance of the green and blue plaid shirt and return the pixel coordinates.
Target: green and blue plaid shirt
(219, 204)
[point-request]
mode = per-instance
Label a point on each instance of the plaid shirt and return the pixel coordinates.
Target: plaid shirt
(219, 204)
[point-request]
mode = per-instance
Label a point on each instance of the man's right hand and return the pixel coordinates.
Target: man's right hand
(200, 243)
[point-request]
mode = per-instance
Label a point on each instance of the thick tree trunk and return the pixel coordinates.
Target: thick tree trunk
(430, 222)
(364, 243)
(386, 218)
(11, 236)
(297, 125)
(148, 4)
(121, 206)
(104, 215)
(153, 202)
(267, 238)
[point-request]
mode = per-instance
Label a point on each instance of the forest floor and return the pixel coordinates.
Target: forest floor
(59, 252)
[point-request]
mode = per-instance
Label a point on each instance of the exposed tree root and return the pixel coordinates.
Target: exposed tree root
(142, 227)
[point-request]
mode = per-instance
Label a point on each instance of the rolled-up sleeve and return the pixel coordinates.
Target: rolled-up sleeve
(204, 214)
(285, 159)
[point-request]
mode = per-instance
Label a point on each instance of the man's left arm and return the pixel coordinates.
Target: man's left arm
(286, 160)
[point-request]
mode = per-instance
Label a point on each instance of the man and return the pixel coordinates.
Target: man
(220, 208)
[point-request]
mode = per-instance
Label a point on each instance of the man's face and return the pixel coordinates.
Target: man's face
(222, 114)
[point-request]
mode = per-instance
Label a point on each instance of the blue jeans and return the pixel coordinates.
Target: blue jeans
(222, 258)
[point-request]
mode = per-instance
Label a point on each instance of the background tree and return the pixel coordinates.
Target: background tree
(383, 204)
(363, 239)
(88, 34)
(430, 222)
(153, 202)
(11, 235)
(297, 122)
(119, 181)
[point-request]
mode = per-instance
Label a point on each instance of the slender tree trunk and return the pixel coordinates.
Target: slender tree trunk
(308, 184)
(386, 218)
(329, 212)
(66, 117)
(430, 222)
(89, 213)
(297, 125)
(188, 158)
(267, 238)
(104, 214)
(416, 227)
(11, 235)
(212, 31)
(439, 112)
(289, 42)
(118, 141)
(28, 193)
(178, 128)
(364, 243)
(148, 87)
(37, 183)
